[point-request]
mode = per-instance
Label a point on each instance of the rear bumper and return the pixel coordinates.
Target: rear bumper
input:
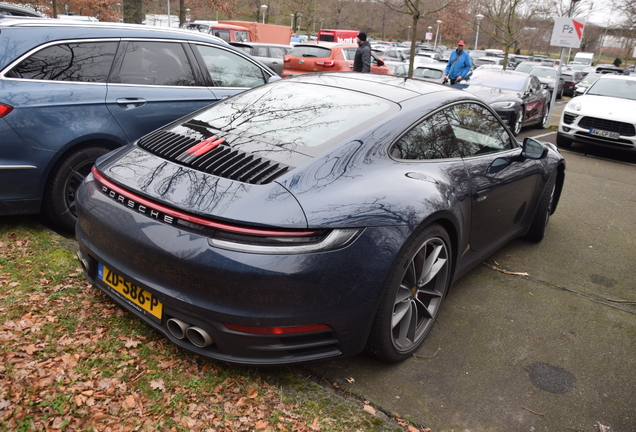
(206, 287)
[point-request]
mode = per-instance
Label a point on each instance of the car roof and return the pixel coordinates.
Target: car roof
(255, 44)
(617, 77)
(327, 44)
(389, 87)
(105, 29)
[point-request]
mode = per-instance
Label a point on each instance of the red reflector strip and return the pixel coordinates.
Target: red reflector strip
(205, 146)
(5, 109)
(277, 330)
(193, 219)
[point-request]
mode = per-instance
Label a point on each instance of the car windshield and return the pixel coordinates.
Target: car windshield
(590, 78)
(525, 67)
(498, 80)
(544, 73)
(298, 115)
(618, 88)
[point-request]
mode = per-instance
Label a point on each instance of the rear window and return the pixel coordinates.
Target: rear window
(83, 62)
(310, 51)
(297, 115)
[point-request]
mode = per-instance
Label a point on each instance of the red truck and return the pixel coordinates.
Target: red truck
(338, 36)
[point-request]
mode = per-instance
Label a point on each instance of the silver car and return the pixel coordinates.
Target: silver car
(270, 54)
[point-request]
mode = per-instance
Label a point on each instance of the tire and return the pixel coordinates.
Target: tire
(560, 94)
(544, 118)
(563, 142)
(517, 122)
(59, 195)
(413, 297)
(541, 218)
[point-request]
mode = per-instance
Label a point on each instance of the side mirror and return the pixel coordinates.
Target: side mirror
(533, 149)
(380, 62)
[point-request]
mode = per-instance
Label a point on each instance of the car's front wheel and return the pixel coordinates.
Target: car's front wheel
(517, 122)
(541, 218)
(544, 118)
(413, 296)
(65, 178)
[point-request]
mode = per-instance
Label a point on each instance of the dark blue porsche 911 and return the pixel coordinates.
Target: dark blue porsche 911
(312, 217)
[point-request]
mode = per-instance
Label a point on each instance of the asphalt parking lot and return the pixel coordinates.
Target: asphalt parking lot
(553, 350)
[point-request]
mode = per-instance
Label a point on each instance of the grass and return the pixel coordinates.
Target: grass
(73, 360)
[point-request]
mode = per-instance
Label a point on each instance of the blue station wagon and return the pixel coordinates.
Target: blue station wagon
(73, 91)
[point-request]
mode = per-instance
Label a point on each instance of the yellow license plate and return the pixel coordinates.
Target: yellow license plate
(141, 300)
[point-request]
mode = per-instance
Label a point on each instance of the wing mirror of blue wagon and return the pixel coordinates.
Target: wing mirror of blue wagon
(533, 149)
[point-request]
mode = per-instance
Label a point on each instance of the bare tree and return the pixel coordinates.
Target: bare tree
(417, 9)
(506, 21)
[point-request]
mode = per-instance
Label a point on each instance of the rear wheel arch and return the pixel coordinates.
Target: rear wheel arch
(59, 167)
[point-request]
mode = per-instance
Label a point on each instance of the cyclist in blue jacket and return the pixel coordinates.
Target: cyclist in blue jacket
(458, 64)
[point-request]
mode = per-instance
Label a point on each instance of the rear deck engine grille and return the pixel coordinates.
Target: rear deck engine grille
(222, 160)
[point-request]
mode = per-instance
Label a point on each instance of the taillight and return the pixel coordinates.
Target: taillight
(286, 59)
(277, 330)
(5, 109)
(326, 63)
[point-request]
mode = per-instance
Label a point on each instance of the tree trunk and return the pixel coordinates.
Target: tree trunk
(132, 11)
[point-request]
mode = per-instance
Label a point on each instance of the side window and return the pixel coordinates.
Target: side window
(155, 63)
(228, 69)
(82, 62)
(260, 51)
(431, 139)
(535, 84)
(349, 53)
(223, 34)
(277, 52)
(241, 36)
(477, 130)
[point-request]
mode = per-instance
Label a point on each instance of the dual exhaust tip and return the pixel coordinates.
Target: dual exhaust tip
(181, 330)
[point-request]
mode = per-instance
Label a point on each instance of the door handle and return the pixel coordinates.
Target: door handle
(130, 103)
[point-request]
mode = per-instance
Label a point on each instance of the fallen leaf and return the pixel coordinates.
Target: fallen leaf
(132, 343)
(369, 409)
(350, 380)
(252, 393)
(157, 384)
(413, 429)
(30, 349)
(130, 401)
(261, 425)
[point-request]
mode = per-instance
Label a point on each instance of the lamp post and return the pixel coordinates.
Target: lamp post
(264, 9)
(188, 16)
(169, 14)
(300, 17)
(438, 22)
(291, 21)
(478, 17)
(429, 34)
(408, 33)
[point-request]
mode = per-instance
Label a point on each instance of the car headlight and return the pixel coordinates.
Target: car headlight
(574, 104)
(504, 105)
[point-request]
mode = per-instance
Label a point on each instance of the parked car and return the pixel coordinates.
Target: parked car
(475, 54)
(326, 57)
(399, 68)
(526, 66)
(570, 80)
(433, 72)
(72, 91)
(550, 62)
(15, 10)
(270, 54)
(419, 60)
(495, 53)
(445, 56)
(432, 54)
(515, 59)
(311, 217)
(227, 32)
(603, 116)
(548, 77)
(518, 98)
(488, 60)
(585, 83)
(396, 54)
